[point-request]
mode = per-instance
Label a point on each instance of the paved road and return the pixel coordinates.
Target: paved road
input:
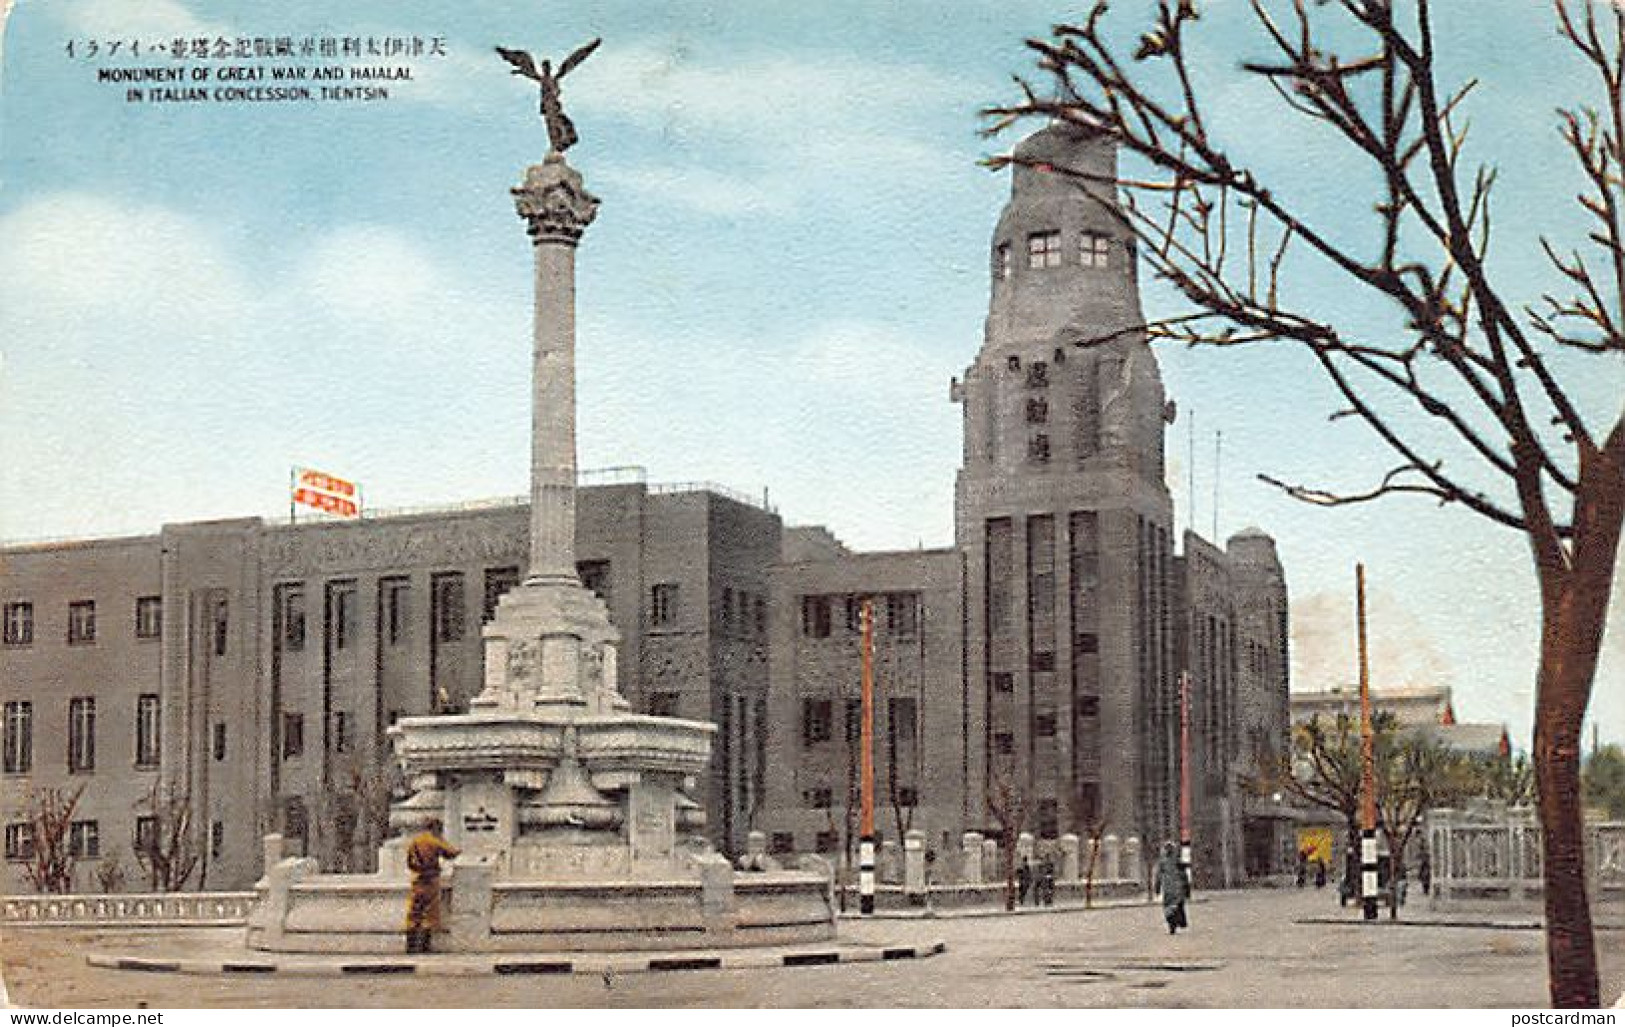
(1243, 949)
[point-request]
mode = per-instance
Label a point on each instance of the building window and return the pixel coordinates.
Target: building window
(293, 734)
(758, 611)
(1049, 824)
(19, 737)
(296, 824)
(1044, 725)
(1002, 261)
(446, 595)
(1089, 802)
(146, 833)
(1044, 249)
(395, 596)
(783, 843)
(341, 732)
(341, 614)
(146, 730)
(1088, 705)
(903, 614)
(819, 798)
(826, 842)
(817, 720)
(1043, 661)
(1038, 375)
(19, 624)
(291, 608)
(149, 616)
(907, 796)
(218, 742)
(594, 576)
(1038, 449)
(19, 841)
(815, 616)
(1037, 410)
(217, 839)
(1004, 682)
(498, 580)
(84, 839)
(1088, 642)
(663, 704)
(220, 616)
(81, 735)
(1004, 743)
(725, 612)
(663, 604)
(1093, 249)
(82, 622)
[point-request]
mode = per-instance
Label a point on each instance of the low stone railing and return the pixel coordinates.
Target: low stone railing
(1494, 854)
(166, 909)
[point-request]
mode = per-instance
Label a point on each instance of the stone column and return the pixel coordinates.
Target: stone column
(1069, 858)
(914, 867)
(1111, 868)
(557, 209)
(970, 848)
(1133, 866)
(992, 862)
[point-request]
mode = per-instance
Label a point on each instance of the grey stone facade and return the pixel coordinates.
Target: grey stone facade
(1041, 653)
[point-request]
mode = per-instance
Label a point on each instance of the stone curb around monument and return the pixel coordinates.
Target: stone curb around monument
(457, 965)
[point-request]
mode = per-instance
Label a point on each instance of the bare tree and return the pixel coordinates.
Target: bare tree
(1468, 388)
(1096, 831)
(1324, 769)
(1007, 805)
(1415, 774)
(49, 815)
(163, 841)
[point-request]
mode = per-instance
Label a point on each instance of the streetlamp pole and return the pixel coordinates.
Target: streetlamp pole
(866, 768)
(1368, 784)
(1185, 775)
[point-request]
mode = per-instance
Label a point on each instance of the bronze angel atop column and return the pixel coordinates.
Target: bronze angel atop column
(561, 133)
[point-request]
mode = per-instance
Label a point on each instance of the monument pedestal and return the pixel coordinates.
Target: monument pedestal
(572, 812)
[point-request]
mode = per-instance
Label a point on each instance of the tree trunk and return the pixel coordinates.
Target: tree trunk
(1570, 635)
(1574, 609)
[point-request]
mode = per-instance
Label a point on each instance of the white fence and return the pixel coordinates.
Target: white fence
(1495, 854)
(170, 909)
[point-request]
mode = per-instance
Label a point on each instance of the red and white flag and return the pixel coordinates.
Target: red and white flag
(326, 492)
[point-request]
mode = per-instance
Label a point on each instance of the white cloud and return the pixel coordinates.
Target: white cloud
(82, 262)
(369, 275)
(148, 19)
(709, 192)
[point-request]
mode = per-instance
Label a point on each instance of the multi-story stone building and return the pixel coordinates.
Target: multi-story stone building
(1030, 671)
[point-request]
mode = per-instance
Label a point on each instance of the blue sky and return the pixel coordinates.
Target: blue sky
(788, 267)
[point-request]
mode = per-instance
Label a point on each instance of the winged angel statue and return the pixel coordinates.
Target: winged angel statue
(561, 133)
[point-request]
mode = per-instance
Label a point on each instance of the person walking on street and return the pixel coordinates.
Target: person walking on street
(423, 855)
(1170, 881)
(1024, 881)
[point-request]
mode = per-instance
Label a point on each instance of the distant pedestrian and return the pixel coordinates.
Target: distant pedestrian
(1046, 882)
(1303, 868)
(1024, 881)
(1320, 872)
(1424, 874)
(423, 856)
(1170, 881)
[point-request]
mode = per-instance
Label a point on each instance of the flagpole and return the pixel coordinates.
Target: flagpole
(293, 478)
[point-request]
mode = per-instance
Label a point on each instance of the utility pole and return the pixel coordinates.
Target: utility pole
(866, 768)
(1185, 775)
(1368, 783)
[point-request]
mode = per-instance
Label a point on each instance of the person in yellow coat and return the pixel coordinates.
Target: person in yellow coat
(423, 856)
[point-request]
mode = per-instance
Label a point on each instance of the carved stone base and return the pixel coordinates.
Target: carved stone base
(550, 645)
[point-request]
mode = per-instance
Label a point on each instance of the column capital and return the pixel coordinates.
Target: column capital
(555, 204)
